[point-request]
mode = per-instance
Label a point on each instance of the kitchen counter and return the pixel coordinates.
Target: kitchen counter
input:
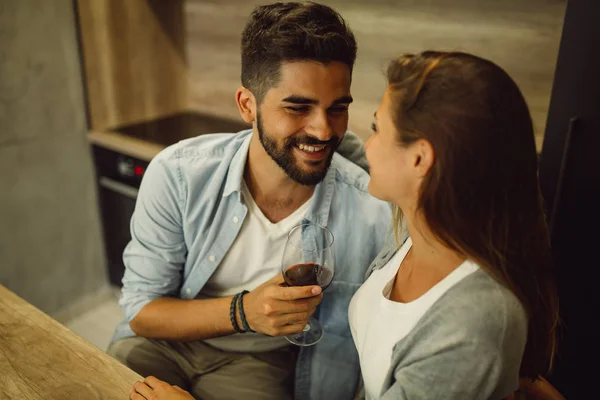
(41, 359)
(146, 139)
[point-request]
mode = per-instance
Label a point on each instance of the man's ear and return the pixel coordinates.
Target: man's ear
(246, 103)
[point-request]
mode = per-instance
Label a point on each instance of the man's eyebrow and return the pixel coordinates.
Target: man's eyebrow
(305, 100)
(300, 100)
(343, 100)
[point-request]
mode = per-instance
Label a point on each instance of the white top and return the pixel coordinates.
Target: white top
(254, 258)
(378, 323)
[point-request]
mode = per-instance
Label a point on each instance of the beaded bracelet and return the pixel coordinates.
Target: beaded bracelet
(242, 313)
(232, 317)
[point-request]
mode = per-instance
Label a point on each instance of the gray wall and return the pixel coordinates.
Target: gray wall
(50, 243)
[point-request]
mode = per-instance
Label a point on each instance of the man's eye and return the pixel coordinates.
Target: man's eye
(299, 109)
(373, 127)
(338, 110)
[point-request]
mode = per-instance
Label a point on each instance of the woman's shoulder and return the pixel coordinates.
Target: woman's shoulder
(479, 307)
(472, 339)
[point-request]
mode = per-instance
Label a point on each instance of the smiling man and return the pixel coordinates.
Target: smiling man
(311, 121)
(213, 214)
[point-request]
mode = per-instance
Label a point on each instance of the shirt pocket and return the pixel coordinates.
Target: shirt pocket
(333, 312)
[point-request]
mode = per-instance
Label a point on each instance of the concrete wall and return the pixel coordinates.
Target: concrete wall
(50, 242)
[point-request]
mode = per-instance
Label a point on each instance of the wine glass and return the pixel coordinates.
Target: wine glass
(308, 259)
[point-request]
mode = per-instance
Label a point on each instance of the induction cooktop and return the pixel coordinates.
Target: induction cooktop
(169, 130)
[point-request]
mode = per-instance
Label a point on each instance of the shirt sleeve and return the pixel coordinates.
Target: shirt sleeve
(467, 370)
(468, 348)
(155, 256)
(352, 148)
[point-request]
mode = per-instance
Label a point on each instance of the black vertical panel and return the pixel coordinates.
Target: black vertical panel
(116, 211)
(570, 181)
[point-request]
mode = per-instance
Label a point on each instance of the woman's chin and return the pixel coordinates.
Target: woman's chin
(374, 192)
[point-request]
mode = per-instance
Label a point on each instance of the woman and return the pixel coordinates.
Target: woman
(467, 304)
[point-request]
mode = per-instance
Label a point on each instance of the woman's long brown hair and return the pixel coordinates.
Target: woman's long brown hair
(481, 196)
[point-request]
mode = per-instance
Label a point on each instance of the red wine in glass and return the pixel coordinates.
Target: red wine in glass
(308, 274)
(308, 260)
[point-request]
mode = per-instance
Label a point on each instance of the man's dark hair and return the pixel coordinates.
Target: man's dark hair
(293, 31)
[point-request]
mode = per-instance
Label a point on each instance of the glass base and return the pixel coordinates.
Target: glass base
(310, 335)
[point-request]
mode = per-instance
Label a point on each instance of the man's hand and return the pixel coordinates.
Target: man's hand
(278, 310)
(154, 389)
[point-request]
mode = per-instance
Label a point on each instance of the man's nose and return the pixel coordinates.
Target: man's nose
(320, 127)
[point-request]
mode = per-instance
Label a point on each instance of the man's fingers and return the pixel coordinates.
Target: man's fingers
(297, 292)
(136, 396)
(296, 306)
(277, 280)
(294, 318)
(313, 302)
(290, 329)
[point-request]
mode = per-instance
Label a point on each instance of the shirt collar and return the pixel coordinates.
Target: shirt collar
(320, 203)
(235, 175)
(320, 206)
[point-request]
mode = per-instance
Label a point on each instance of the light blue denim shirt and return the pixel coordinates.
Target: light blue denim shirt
(189, 212)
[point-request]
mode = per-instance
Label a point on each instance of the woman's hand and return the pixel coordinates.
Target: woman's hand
(155, 389)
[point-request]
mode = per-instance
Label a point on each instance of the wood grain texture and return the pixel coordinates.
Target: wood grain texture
(41, 359)
(134, 59)
(127, 145)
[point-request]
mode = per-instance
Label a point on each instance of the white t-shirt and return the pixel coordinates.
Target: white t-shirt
(253, 259)
(378, 323)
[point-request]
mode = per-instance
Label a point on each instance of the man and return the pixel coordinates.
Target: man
(212, 218)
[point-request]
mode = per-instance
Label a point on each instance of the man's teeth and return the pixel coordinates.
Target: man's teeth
(311, 149)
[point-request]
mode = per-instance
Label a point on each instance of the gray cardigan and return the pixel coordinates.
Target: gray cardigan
(468, 345)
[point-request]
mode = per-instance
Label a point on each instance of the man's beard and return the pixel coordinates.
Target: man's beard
(284, 156)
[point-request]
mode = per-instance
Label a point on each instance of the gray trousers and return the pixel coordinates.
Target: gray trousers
(209, 373)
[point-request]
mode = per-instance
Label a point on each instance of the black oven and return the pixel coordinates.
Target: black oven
(119, 177)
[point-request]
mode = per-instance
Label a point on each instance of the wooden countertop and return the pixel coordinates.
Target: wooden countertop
(41, 359)
(138, 148)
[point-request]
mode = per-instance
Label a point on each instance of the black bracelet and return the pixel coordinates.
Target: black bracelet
(242, 313)
(234, 323)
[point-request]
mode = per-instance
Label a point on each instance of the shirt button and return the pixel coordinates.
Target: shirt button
(212, 258)
(188, 291)
(236, 220)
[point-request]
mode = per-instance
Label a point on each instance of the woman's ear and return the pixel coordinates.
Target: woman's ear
(246, 103)
(423, 157)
